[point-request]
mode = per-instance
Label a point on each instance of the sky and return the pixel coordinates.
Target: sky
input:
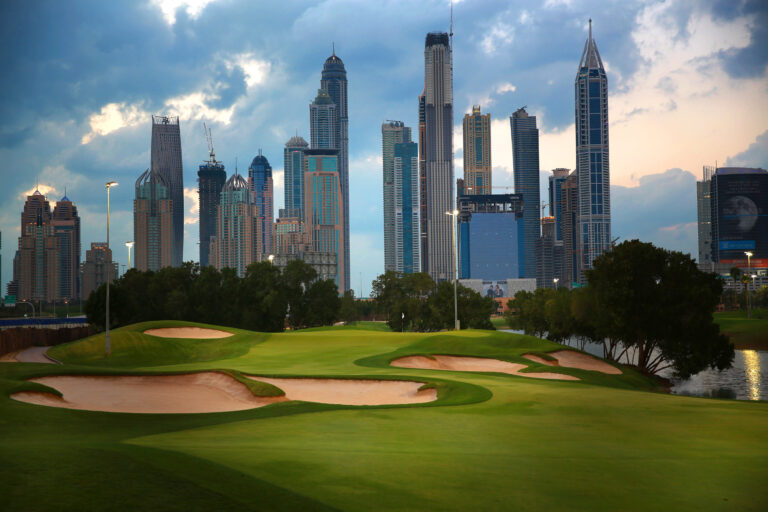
(688, 87)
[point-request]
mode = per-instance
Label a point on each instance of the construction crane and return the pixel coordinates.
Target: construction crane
(209, 140)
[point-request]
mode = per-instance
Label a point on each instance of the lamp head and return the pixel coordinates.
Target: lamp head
(110, 184)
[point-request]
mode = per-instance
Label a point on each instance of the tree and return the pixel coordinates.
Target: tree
(348, 310)
(658, 303)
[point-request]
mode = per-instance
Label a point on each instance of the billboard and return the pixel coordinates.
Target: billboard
(742, 214)
(495, 289)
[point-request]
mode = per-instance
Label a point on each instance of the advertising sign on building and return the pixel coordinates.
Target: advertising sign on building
(495, 289)
(742, 215)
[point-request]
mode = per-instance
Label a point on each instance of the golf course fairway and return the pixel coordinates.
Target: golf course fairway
(489, 441)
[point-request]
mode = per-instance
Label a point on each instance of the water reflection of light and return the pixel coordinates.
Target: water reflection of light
(752, 371)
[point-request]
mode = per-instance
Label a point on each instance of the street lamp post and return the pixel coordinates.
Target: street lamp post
(129, 245)
(749, 272)
(108, 185)
(555, 280)
(271, 258)
(454, 214)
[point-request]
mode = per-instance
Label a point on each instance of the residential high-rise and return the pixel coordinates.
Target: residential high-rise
(406, 207)
(525, 154)
(322, 122)
(37, 269)
(569, 216)
(235, 244)
(323, 208)
(549, 256)
(289, 235)
(488, 226)
(66, 229)
(704, 211)
(438, 146)
(477, 152)
(592, 163)
(423, 181)
(166, 160)
(556, 181)
(152, 222)
(293, 165)
(260, 179)
(93, 271)
(211, 177)
(334, 81)
(392, 132)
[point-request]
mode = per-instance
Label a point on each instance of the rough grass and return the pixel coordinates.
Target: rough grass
(490, 442)
(745, 333)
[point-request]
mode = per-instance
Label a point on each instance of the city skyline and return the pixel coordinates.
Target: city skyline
(109, 130)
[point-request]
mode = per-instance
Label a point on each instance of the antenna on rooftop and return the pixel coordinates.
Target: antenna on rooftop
(451, 27)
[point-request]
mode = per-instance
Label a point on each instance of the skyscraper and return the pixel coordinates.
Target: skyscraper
(293, 165)
(211, 177)
(438, 147)
(322, 122)
(704, 211)
(423, 181)
(152, 222)
(569, 222)
(392, 132)
(235, 244)
(556, 181)
(592, 164)
(323, 208)
(260, 179)
(334, 81)
(66, 229)
(477, 152)
(37, 269)
(94, 268)
(406, 207)
(166, 160)
(525, 154)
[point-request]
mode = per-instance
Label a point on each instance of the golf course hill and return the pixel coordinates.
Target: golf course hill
(189, 416)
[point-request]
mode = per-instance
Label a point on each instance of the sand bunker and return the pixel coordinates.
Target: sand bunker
(191, 393)
(197, 333)
(352, 391)
(473, 364)
(573, 359)
(28, 355)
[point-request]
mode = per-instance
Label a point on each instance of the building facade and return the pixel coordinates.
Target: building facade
(334, 81)
(488, 227)
(525, 155)
(323, 218)
(152, 222)
(477, 152)
(293, 165)
(93, 271)
(569, 209)
(36, 271)
(549, 256)
(704, 215)
(289, 235)
(66, 229)
(166, 160)
(392, 133)
(406, 203)
(438, 148)
(236, 244)
(592, 162)
(211, 177)
(556, 181)
(260, 179)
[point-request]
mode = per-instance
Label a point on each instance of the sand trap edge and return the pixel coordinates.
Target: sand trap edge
(195, 333)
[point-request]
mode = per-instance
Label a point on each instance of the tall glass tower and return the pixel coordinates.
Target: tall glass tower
(438, 145)
(293, 164)
(211, 177)
(392, 132)
(166, 160)
(260, 179)
(525, 155)
(406, 206)
(477, 152)
(592, 166)
(334, 81)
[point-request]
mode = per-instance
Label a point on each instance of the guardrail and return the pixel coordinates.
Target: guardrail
(43, 323)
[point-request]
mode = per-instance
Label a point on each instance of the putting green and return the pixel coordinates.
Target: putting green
(490, 441)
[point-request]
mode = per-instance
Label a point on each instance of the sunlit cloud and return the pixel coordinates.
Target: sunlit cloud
(169, 7)
(192, 205)
(112, 117)
(256, 70)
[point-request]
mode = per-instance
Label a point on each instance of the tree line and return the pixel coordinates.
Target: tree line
(266, 299)
(414, 302)
(647, 306)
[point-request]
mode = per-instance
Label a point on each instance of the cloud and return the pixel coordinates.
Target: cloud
(498, 36)
(193, 8)
(505, 88)
(44, 189)
(112, 117)
(192, 205)
(756, 155)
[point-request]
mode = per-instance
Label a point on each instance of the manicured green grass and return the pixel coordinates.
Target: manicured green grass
(745, 333)
(490, 442)
(499, 322)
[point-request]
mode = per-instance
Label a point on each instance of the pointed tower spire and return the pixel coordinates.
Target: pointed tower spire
(590, 29)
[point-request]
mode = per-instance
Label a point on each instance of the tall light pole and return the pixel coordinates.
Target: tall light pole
(108, 185)
(749, 272)
(129, 245)
(455, 214)
(555, 280)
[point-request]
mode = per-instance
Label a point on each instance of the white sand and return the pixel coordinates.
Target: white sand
(352, 392)
(473, 364)
(572, 359)
(197, 333)
(191, 393)
(28, 355)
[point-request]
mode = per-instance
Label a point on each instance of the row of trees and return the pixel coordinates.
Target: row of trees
(647, 306)
(414, 302)
(736, 297)
(265, 299)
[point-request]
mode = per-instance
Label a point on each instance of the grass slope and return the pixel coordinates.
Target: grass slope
(491, 442)
(745, 333)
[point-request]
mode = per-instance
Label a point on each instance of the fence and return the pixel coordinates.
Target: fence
(19, 338)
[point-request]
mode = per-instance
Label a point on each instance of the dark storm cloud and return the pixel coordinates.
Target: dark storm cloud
(750, 61)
